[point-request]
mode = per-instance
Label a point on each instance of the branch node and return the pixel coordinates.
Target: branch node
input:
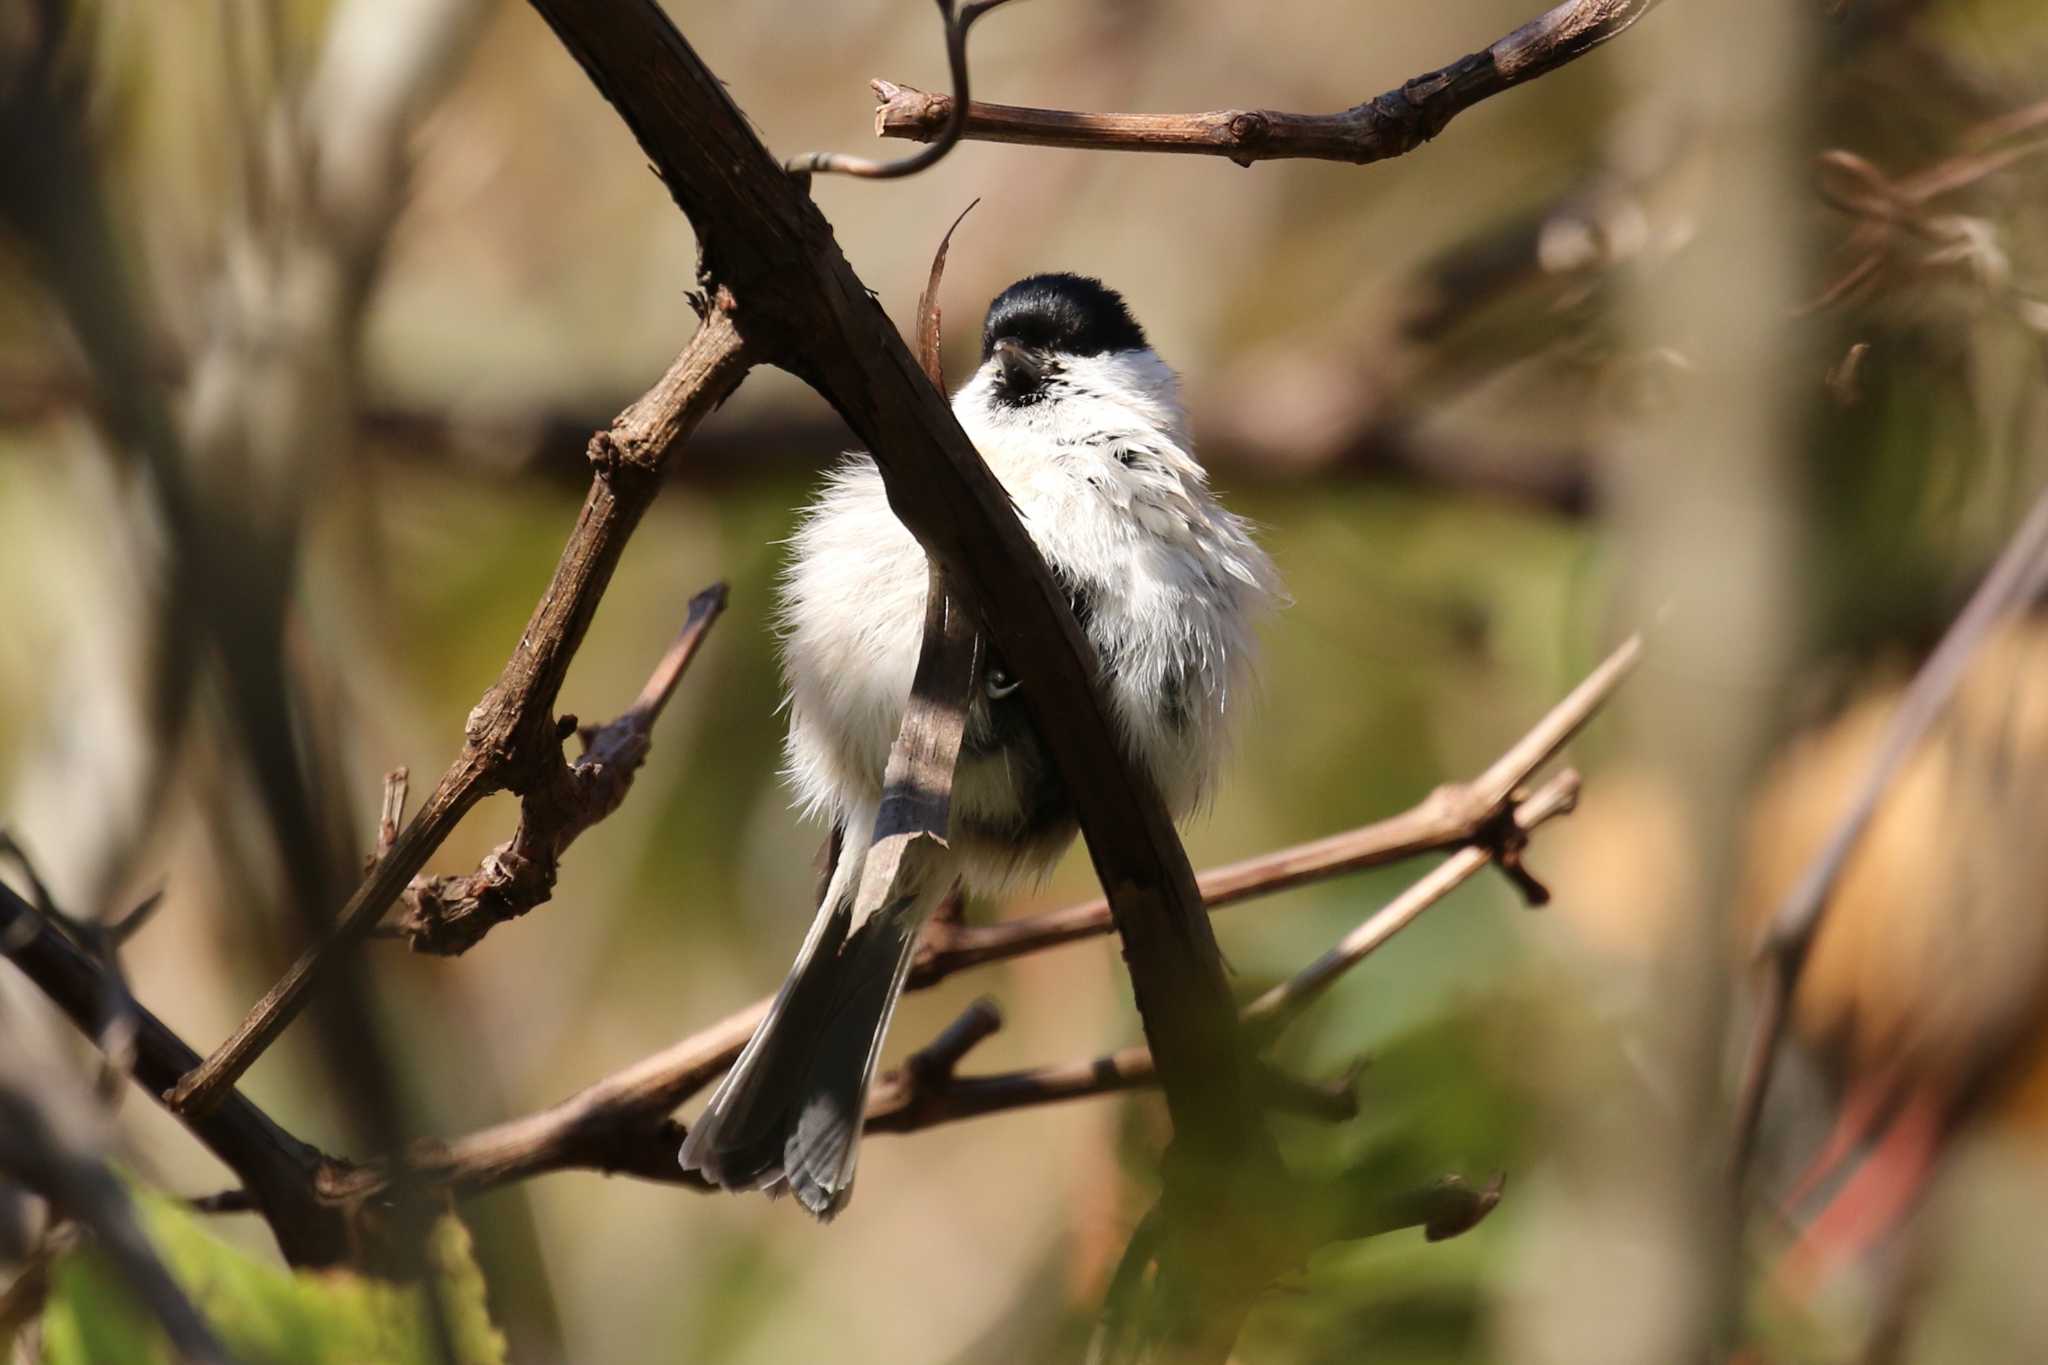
(932, 1066)
(558, 801)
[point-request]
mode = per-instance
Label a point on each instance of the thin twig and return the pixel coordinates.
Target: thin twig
(1451, 817)
(905, 1102)
(1274, 1010)
(944, 139)
(904, 850)
(1385, 126)
(2018, 575)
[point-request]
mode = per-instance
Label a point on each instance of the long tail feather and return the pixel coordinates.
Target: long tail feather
(789, 1112)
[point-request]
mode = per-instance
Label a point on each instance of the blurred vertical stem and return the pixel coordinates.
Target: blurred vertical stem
(1699, 473)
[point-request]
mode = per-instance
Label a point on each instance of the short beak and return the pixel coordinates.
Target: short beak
(1023, 367)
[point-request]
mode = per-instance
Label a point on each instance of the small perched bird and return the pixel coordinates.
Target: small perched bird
(1082, 424)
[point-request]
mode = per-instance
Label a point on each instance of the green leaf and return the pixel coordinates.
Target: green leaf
(266, 1314)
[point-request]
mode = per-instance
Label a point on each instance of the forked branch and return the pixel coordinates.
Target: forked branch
(452, 914)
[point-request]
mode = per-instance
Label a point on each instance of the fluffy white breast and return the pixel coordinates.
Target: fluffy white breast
(1103, 478)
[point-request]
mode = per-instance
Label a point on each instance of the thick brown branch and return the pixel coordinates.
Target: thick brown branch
(452, 914)
(1385, 126)
(511, 736)
(276, 1168)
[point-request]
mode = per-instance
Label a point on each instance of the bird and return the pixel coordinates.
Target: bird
(1082, 424)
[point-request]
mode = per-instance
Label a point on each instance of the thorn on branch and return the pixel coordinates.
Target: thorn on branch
(1507, 836)
(1331, 1101)
(137, 919)
(926, 346)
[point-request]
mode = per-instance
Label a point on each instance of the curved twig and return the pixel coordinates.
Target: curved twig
(943, 139)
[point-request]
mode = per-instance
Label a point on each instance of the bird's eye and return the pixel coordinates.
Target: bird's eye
(1000, 684)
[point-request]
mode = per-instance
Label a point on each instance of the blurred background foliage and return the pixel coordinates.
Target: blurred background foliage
(1411, 375)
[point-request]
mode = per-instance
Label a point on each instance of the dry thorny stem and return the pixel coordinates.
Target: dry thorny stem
(2017, 577)
(1385, 126)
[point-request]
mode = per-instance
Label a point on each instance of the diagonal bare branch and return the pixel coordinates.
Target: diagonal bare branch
(276, 1168)
(2019, 575)
(1281, 1005)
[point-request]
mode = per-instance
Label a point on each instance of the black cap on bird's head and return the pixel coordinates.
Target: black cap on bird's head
(1038, 319)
